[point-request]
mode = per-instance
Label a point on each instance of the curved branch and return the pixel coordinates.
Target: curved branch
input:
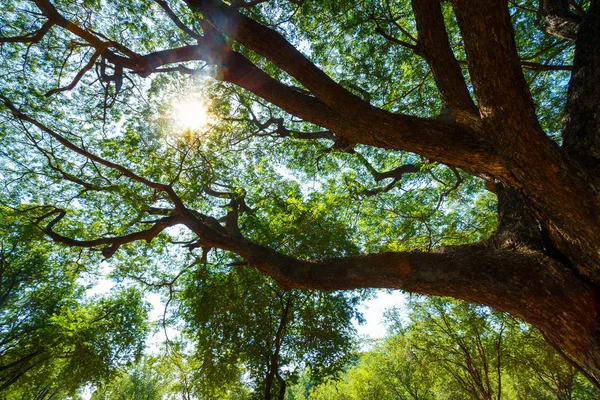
(283, 132)
(34, 37)
(334, 108)
(176, 19)
(379, 29)
(356, 119)
(56, 18)
(113, 243)
(526, 284)
(80, 74)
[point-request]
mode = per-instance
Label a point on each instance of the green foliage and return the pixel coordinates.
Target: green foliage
(151, 378)
(54, 339)
(454, 350)
(305, 198)
(240, 321)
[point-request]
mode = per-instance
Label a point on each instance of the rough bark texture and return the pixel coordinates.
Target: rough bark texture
(543, 263)
(581, 133)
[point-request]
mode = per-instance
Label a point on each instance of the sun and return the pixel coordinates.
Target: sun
(191, 114)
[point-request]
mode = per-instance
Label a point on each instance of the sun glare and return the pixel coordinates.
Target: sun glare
(190, 114)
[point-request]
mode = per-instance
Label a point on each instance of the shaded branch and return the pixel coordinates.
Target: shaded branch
(34, 37)
(559, 20)
(334, 107)
(163, 4)
(246, 4)
(581, 126)
(236, 205)
(80, 74)
(545, 67)
(50, 12)
(283, 132)
(395, 174)
(379, 29)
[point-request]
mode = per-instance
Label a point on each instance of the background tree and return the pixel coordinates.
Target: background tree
(244, 325)
(455, 350)
(54, 338)
(422, 96)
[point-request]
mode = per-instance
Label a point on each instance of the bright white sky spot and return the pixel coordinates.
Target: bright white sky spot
(374, 327)
(190, 114)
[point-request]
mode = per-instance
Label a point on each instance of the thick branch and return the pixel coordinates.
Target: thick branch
(516, 226)
(526, 284)
(559, 20)
(357, 120)
(493, 61)
(544, 176)
(352, 119)
(271, 45)
(434, 47)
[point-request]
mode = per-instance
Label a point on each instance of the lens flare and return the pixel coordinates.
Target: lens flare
(190, 114)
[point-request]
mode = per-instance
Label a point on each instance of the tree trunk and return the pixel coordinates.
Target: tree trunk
(282, 387)
(273, 368)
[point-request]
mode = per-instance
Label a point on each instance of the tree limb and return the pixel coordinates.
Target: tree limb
(559, 20)
(66, 143)
(176, 20)
(581, 127)
(434, 47)
(79, 75)
(34, 37)
(113, 243)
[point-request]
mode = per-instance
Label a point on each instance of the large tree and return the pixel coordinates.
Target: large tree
(477, 86)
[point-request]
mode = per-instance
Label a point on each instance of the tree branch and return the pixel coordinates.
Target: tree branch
(34, 37)
(346, 114)
(176, 19)
(80, 74)
(539, 167)
(434, 47)
(559, 20)
(56, 18)
(113, 243)
(581, 127)
(66, 143)
(283, 132)
(379, 29)
(352, 119)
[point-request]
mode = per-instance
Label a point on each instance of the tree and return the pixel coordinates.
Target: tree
(151, 378)
(454, 350)
(470, 89)
(245, 325)
(53, 338)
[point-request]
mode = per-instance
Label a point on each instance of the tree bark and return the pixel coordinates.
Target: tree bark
(581, 130)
